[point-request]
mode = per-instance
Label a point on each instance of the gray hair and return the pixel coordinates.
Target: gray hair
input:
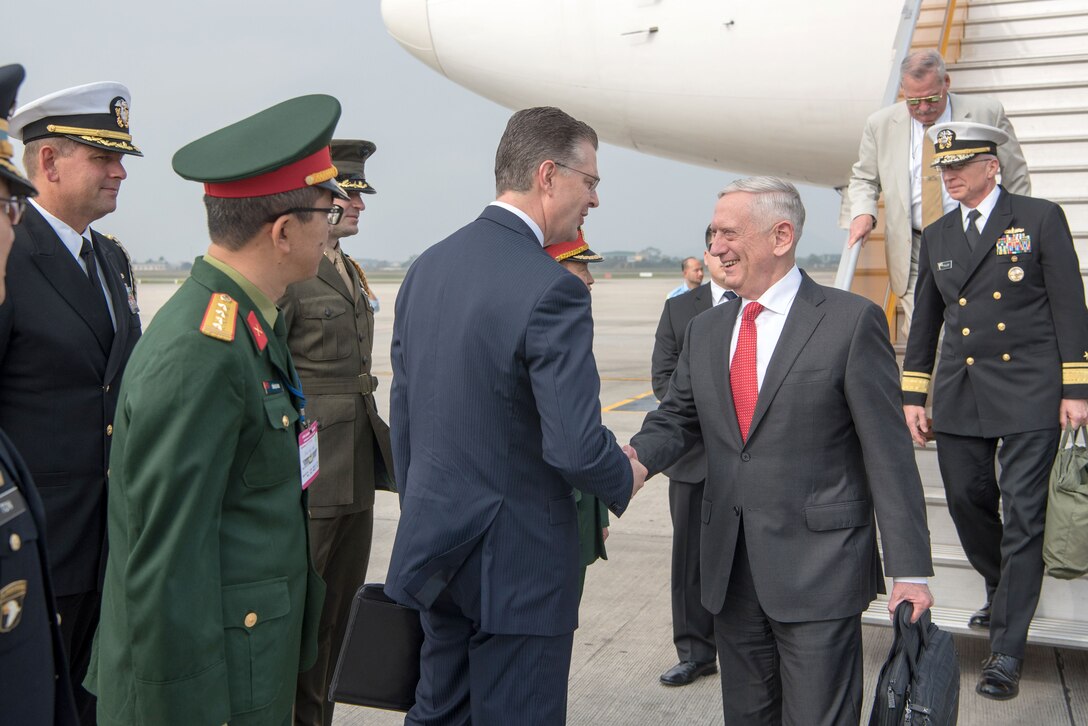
(62, 147)
(921, 63)
(775, 200)
(233, 222)
(533, 136)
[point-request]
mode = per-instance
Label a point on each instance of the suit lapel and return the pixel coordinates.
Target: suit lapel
(997, 223)
(65, 274)
(326, 272)
(896, 188)
(802, 320)
(115, 283)
(719, 363)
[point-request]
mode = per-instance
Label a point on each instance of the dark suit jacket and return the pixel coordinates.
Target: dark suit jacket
(58, 388)
(668, 342)
(36, 688)
(495, 416)
(331, 334)
(827, 446)
(1013, 348)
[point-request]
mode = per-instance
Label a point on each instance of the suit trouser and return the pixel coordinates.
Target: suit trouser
(78, 622)
(468, 676)
(1006, 548)
(907, 299)
(797, 674)
(340, 547)
(692, 624)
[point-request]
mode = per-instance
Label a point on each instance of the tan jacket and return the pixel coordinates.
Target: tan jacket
(331, 336)
(884, 164)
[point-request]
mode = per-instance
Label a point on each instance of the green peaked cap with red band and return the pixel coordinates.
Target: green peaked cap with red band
(280, 149)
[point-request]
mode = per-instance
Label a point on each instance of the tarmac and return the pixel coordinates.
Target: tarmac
(624, 641)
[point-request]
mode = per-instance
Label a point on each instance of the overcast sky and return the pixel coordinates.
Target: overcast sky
(196, 66)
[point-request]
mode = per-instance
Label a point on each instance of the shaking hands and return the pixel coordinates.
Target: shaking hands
(638, 471)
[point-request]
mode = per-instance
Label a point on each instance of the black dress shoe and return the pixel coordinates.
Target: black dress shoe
(981, 619)
(686, 671)
(1000, 679)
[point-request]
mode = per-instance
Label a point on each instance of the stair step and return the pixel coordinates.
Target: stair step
(1048, 121)
(1072, 151)
(994, 9)
(1025, 24)
(1044, 631)
(1022, 71)
(1020, 99)
(1049, 182)
(1038, 45)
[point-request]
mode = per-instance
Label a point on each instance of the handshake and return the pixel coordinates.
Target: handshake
(638, 471)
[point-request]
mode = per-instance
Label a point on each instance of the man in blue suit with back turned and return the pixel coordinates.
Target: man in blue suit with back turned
(495, 419)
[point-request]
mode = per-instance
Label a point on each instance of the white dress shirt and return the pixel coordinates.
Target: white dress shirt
(717, 294)
(985, 209)
(73, 242)
(917, 138)
(524, 218)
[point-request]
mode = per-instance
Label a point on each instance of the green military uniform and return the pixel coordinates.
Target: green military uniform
(205, 460)
(211, 605)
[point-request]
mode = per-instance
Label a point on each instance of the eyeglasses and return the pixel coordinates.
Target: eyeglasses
(335, 212)
(596, 179)
(931, 100)
(14, 208)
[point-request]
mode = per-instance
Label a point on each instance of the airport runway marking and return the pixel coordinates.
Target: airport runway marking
(625, 403)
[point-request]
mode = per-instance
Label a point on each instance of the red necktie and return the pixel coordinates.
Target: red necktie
(743, 378)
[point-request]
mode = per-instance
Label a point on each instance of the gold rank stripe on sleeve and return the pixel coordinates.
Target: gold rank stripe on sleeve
(220, 318)
(915, 382)
(1074, 374)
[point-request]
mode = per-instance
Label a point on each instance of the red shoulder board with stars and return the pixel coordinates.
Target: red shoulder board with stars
(259, 338)
(220, 317)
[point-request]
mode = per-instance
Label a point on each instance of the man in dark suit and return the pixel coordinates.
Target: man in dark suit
(692, 624)
(1001, 275)
(66, 332)
(495, 418)
(35, 689)
(330, 330)
(792, 389)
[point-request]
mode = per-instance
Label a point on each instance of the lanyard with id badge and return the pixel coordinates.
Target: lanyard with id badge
(308, 456)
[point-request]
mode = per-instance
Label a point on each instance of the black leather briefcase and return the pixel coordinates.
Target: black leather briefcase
(379, 661)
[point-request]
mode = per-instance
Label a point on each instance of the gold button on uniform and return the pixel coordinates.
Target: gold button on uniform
(970, 361)
(251, 619)
(1001, 326)
(966, 331)
(1014, 258)
(109, 429)
(1006, 356)
(16, 542)
(963, 301)
(286, 420)
(997, 295)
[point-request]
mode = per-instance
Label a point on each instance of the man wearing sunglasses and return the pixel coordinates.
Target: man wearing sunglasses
(210, 605)
(66, 332)
(1000, 274)
(893, 158)
(330, 330)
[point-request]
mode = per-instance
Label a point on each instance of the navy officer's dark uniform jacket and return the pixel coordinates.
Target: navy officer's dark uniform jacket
(60, 371)
(1016, 328)
(34, 685)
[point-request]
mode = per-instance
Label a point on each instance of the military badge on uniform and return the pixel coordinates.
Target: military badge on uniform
(1016, 274)
(260, 339)
(120, 111)
(944, 265)
(219, 318)
(1014, 241)
(12, 596)
(945, 139)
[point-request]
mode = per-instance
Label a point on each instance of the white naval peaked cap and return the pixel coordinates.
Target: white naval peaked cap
(96, 114)
(958, 141)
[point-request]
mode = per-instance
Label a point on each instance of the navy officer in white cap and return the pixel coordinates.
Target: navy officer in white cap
(66, 331)
(1001, 275)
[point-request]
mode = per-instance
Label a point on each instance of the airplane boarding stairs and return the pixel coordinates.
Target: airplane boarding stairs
(1033, 56)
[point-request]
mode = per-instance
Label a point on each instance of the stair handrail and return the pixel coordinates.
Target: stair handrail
(946, 29)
